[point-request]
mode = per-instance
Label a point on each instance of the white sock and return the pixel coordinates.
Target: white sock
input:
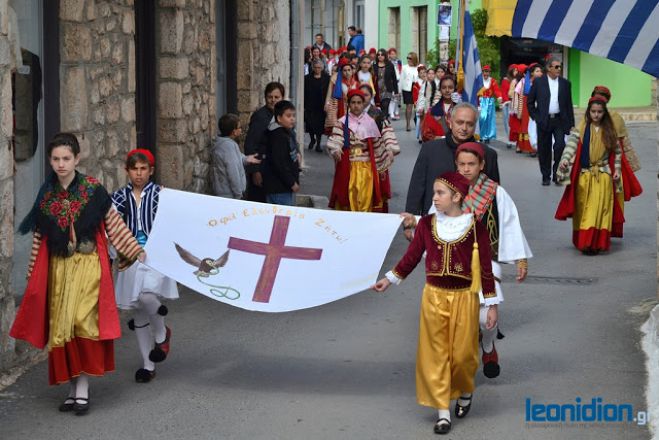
(487, 335)
(464, 399)
(82, 387)
(72, 387)
(444, 414)
(144, 337)
(150, 304)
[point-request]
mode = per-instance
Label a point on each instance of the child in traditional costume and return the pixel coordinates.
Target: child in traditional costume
(362, 154)
(69, 302)
(496, 210)
(140, 288)
(595, 169)
(521, 111)
(458, 266)
(336, 103)
(488, 94)
(436, 120)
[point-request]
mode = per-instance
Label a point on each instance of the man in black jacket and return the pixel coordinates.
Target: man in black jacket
(550, 106)
(281, 168)
(438, 157)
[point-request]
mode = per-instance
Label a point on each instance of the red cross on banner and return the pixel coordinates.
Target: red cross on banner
(274, 251)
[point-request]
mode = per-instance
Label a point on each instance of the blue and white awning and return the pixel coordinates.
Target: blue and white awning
(626, 31)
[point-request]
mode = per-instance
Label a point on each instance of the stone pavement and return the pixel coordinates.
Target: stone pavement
(346, 370)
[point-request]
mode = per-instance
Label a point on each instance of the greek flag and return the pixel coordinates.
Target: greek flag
(626, 31)
(471, 63)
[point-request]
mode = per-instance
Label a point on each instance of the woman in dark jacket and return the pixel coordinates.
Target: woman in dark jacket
(315, 90)
(386, 82)
(255, 139)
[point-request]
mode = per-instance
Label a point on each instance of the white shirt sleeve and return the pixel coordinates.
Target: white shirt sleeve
(512, 242)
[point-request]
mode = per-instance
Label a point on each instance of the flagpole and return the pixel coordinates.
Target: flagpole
(460, 48)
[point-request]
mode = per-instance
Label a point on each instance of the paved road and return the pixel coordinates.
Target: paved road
(346, 370)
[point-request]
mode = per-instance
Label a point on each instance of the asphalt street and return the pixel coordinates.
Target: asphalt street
(346, 370)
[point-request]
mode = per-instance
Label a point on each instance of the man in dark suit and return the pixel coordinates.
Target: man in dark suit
(438, 157)
(550, 106)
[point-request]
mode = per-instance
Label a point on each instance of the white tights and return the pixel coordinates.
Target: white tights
(488, 335)
(149, 326)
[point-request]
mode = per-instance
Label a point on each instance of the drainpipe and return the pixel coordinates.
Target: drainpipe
(297, 68)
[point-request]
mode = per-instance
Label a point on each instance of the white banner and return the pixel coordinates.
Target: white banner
(268, 258)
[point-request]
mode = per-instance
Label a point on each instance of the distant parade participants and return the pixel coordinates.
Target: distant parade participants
(417, 96)
(592, 164)
(361, 154)
(458, 266)
(365, 73)
(335, 102)
(394, 105)
(140, 288)
(536, 72)
(408, 77)
(521, 111)
(69, 302)
(487, 95)
(438, 157)
(316, 85)
(513, 107)
(505, 89)
(436, 119)
(386, 81)
(255, 139)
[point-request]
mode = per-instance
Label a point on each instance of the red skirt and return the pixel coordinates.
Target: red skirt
(78, 356)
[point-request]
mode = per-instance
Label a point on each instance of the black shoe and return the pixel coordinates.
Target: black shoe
(144, 376)
(81, 406)
(318, 149)
(68, 404)
(462, 411)
(554, 179)
(161, 349)
(546, 182)
(311, 144)
(442, 426)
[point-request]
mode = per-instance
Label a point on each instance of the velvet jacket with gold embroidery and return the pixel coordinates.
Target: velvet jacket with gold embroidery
(448, 263)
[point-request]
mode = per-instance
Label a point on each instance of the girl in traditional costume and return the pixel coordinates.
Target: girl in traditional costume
(140, 288)
(458, 266)
(363, 155)
(521, 111)
(69, 302)
(340, 84)
(595, 170)
(436, 120)
(488, 94)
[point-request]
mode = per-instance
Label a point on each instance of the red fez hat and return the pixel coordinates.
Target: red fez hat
(471, 147)
(143, 152)
(534, 65)
(344, 61)
(356, 92)
(521, 68)
(602, 90)
(332, 52)
(372, 50)
(324, 51)
(599, 99)
(486, 67)
(451, 62)
(513, 66)
(456, 181)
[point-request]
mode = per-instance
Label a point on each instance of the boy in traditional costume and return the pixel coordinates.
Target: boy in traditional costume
(492, 206)
(458, 266)
(363, 155)
(69, 302)
(140, 288)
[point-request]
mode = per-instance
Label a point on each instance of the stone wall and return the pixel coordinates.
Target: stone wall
(6, 196)
(185, 52)
(97, 91)
(263, 51)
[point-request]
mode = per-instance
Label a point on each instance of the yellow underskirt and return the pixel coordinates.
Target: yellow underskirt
(447, 355)
(73, 288)
(360, 189)
(593, 202)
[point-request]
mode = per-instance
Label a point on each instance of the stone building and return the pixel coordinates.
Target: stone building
(120, 74)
